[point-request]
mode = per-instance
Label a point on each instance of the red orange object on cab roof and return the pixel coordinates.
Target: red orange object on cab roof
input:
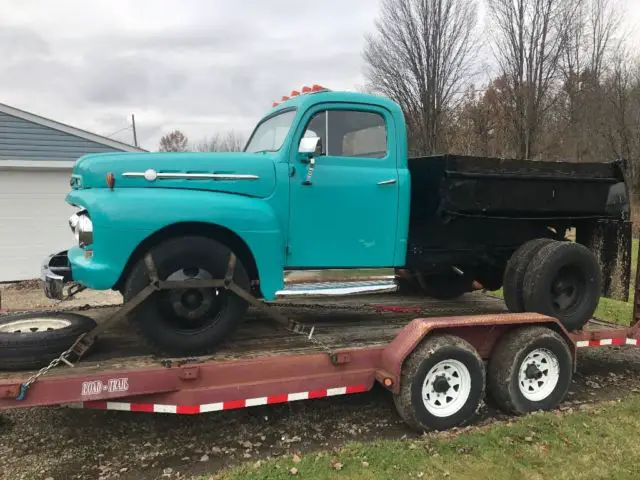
(313, 89)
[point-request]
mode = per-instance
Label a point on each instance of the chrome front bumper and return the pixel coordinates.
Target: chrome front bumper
(55, 274)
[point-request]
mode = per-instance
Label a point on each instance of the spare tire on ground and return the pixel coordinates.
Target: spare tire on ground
(563, 280)
(31, 340)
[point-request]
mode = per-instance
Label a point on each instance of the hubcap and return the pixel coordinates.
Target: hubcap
(567, 289)
(538, 375)
(34, 325)
(446, 388)
(191, 307)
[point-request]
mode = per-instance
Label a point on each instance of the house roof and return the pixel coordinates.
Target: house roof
(62, 127)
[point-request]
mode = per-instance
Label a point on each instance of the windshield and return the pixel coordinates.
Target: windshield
(270, 134)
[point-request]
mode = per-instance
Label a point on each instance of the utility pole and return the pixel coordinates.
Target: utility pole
(135, 135)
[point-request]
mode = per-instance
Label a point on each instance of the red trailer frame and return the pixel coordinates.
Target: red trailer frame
(193, 386)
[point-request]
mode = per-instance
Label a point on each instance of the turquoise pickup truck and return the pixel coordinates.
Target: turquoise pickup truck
(325, 182)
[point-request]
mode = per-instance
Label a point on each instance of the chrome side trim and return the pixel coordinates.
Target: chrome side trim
(391, 181)
(201, 176)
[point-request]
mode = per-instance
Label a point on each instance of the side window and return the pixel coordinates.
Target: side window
(317, 127)
(350, 133)
(357, 134)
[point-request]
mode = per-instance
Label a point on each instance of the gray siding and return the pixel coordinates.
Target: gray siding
(24, 140)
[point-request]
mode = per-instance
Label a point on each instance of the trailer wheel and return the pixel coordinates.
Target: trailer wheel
(513, 282)
(563, 281)
(32, 340)
(188, 321)
(442, 384)
(530, 370)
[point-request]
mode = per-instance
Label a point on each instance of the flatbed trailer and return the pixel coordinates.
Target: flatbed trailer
(383, 339)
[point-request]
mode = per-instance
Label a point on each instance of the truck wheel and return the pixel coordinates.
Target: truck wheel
(514, 273)
(32, 340)
(530, 370)
(188, 321)
(442, 384)
(563, 281)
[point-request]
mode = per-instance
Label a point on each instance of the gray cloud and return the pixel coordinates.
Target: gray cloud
(201, 66)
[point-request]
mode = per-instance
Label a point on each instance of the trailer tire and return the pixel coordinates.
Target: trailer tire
(517, 378)
(564, 281)
(31, 341)
(187, 321)
(513, 283)
(423, 402)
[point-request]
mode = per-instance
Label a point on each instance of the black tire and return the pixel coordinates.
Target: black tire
(440, 287)
(180, 330)
(447, 287)
(513, 283)
(563, 281)
(416, 369)
(512, 350)
(29, 349)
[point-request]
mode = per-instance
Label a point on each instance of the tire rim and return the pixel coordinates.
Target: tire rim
(539, 375)
(568, 289)
(34, 325)
(446, 388)
(191, 308)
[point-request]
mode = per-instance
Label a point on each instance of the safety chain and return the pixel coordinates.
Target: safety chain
(63, 358)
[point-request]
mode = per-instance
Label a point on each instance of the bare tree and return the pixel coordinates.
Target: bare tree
(589, 48)
(174, 142)
(529, 39)
(230, 142)
(421, 56)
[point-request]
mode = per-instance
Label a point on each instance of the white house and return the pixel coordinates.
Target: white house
(36, 156)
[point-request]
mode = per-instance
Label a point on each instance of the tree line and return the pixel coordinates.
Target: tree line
(559, 80)
(176, 141)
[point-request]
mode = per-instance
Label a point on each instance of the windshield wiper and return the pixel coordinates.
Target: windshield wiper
(266, 150)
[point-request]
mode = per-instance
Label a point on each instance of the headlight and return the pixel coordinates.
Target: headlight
(82, 227)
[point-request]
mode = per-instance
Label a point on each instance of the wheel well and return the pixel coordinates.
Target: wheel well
(209, 230)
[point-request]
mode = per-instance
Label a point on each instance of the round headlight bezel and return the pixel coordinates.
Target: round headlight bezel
(82, 227)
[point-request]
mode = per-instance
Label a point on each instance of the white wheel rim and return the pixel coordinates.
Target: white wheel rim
(446, 388)
(538, 375)
(34, 325)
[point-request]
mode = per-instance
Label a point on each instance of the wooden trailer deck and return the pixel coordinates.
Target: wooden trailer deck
(357, 321)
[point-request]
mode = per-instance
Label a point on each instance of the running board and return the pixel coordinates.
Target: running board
(322, 289)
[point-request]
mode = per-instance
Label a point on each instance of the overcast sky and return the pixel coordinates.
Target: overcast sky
(202, 66)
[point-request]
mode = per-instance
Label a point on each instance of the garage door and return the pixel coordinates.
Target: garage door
(33, 220)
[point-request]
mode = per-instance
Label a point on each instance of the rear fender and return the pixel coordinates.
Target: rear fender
(481, 331)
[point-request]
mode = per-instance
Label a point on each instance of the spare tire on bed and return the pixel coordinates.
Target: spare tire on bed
(31, 340)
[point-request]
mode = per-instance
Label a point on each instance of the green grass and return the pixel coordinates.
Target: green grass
(596, 444)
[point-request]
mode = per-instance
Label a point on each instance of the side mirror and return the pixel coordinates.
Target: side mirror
(312, 145)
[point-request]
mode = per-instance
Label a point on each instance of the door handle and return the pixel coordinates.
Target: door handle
(312, 165)
(391, 181)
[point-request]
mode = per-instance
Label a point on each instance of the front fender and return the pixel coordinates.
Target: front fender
(123, 218)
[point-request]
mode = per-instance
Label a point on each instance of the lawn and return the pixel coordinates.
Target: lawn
(600, 442)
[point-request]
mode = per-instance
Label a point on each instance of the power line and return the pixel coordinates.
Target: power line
(118, 131)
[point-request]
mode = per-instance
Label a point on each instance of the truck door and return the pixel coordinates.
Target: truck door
(343, 212)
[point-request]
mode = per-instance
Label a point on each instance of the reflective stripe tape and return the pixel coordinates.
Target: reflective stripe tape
(604, 342)
(216, 407)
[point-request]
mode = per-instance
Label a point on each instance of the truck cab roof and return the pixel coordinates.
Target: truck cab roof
(306, 100)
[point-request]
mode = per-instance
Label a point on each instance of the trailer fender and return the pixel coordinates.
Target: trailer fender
(482, 331)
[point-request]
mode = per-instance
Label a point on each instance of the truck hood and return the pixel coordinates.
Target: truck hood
(251, 174)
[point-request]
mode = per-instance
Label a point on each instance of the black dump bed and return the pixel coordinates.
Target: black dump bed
(516, 188)
(474, 212)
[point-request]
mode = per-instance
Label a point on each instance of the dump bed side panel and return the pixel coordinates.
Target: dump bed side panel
(472, 211)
